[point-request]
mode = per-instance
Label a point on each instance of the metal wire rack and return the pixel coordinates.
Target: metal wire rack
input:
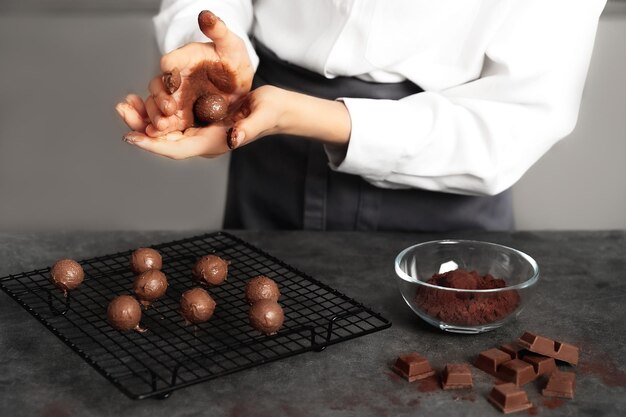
(172, 355)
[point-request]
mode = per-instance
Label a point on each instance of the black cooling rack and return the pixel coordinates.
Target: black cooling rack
(172, 355)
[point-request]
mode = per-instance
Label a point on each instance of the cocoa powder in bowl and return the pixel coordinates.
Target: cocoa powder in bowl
(466, 308)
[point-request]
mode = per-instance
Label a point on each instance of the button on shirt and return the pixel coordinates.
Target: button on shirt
(503, 79)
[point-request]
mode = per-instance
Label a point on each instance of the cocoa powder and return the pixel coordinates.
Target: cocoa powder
(465, 308)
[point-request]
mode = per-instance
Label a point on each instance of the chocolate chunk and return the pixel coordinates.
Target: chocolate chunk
(144, 259)
(513, 349)
(491, 359)
(561, 384)
(517, 371)
(413, 367)
(542, 365)
(457, 376)
(66, 274)
(508, 398)
(548, 347)
(210, 269)
(172, 80)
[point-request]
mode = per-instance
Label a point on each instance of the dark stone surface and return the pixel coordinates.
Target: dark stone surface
(580, 299)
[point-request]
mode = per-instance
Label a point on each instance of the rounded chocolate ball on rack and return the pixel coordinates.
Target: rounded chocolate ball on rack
(266, 316)
(261, 288)
(211, 269)
(124, 313)
(149, 286)
(144, 259)
(196, 306)
(66, 274)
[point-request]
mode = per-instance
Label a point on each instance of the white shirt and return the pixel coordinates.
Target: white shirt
(503, 79)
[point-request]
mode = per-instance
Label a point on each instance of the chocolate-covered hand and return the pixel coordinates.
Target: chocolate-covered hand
(264, 111)
(218, 68)
(271, 110)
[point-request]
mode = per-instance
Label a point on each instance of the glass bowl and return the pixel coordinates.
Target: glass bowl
(435, 281)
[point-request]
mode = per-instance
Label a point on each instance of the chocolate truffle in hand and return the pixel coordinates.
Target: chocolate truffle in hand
(150, 286)
(210, 108)
(66, 274)
(211, 269)
(144, 259)
(196, 306)
(261, 288)
(266, 316)
(124, 313)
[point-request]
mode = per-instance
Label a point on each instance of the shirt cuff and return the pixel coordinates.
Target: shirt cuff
(384, 132)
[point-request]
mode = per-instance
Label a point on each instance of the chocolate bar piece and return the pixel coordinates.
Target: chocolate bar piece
(457, 376)
(517, 371)
(548, 347)
(508, 398)
(514, 350)
(560, 384)
(543, 365)
(491, 359)
(413, 367)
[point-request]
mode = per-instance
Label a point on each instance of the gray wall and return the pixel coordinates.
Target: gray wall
(63, 165)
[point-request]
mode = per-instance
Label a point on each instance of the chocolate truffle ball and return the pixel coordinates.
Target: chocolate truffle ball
(210, 108)
(261, 288)
(150, 286)
(144, 259)
(196, 306)
(66, 274)
(266, 316)
(211, 269)
(124, 313)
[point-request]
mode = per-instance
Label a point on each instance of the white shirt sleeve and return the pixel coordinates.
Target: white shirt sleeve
(177, 22)
(480, 137)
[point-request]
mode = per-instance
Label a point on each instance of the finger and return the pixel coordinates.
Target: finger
(131, 116)
(152, 131)
(185, 57)
(164, 101)
(249, 128)
(136, 101)
(215, 29)
(176, 145)
(158, 119)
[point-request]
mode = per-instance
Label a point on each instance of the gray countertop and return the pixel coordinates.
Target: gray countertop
(580, 299)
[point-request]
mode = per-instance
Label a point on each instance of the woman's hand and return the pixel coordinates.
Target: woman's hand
(208, 142)
(221, 66)
(265, 111)
(271, 110)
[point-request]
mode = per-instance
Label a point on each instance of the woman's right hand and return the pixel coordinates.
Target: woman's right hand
(224, 60)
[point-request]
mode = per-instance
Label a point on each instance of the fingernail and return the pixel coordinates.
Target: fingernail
(130, 138)
(119, 110)
(234, 137)
(206, 19)
(172, 80)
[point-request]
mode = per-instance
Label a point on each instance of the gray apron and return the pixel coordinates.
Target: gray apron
(282, 182)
